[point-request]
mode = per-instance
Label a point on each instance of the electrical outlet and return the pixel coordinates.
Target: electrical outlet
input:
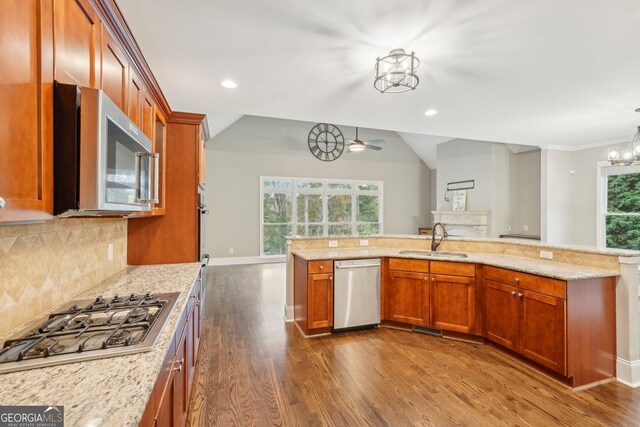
(333, 243)
(508, 228)
(110, 252)
(230, 251)
(525, 228)
(364, 242)
(546, 254)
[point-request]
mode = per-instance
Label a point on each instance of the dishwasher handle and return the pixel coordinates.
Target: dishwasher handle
(358, 266)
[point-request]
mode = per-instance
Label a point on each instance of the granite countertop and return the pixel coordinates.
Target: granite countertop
(113, 391)
(552, 269)
(524, 242)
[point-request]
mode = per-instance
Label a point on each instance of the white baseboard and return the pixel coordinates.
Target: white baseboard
(244, 260)
(288, 313)
(628, 372)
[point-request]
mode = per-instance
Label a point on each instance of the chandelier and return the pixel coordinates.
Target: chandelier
(627, 153)
(396, 72)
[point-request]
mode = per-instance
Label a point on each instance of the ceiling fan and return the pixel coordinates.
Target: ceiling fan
(359, 145)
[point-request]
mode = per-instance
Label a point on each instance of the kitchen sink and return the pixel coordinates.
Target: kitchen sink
(431, 254)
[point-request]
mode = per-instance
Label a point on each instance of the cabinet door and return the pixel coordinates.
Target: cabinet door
(182, 373)
(77, 43)
(453, 303)
(148, 113)
(114, 71)
(502, 314)
(542, 330)
(165, 416)
(320, 300)
(26, 116)
(135, 95)
(408, 297)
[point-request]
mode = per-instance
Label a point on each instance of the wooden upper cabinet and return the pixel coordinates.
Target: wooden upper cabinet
(26, 116)
(136, 91)
(77, 43)
(202, 179)
(148, 113)
(114, 71)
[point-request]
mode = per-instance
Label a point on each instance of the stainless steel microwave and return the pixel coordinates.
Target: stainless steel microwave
(103, 164)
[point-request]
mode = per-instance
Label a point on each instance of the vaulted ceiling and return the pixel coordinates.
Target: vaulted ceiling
(546, 72)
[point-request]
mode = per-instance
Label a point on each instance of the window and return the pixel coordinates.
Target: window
(317, 207)
(619, 212)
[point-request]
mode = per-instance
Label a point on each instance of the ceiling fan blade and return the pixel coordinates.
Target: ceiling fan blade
(375, 141)
(372, 147)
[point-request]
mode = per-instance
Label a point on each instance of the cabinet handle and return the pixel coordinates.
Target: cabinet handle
(321, 267)
(179, 367)
(519, 295)
(433, 279)
(513, 292)
(517, 280)
(2, 203)
(197, 303)
(330, 277)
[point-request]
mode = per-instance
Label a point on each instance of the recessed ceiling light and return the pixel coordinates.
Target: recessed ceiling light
(431, 112)
(229, 84)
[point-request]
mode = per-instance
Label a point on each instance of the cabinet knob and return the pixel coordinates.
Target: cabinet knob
(519, 295)
(2, 203)
(179, 367)
(321, 267)
(330, 277)
(433, 279)
(513, 292)
(517, 280)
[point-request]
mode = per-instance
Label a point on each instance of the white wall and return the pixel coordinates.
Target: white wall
(257, 146)
(570, 200)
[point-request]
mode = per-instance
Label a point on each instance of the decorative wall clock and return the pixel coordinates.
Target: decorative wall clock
(326, 142)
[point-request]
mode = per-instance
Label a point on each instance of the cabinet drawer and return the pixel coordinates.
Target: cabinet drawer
(324, 266)
(543, 285)
(405, 264)
(453, 268)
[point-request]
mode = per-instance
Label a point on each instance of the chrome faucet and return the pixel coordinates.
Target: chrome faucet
(434, 244)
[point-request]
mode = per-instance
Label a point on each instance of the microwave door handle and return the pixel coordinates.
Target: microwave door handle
(150, 193)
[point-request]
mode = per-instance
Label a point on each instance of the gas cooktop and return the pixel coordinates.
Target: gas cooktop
(90, 329)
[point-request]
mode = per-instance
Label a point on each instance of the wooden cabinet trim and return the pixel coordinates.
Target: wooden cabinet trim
(408, 264)
(453, 268)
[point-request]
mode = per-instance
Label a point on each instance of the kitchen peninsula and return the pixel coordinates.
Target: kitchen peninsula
(570, 316)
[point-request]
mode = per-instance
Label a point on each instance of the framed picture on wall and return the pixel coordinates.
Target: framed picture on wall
(459, 200)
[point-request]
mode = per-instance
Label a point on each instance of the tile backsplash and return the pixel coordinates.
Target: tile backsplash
(44, 265)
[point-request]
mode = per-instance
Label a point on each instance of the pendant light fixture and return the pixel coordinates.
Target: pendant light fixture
(627, 153)
(396, 72)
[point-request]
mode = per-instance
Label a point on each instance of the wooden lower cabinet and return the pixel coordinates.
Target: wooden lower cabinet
(313, 295)
(169, 402)
(408, 297)
(527, 314)
(453, 303)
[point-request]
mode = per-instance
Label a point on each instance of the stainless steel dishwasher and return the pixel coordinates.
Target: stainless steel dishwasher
(356, 294)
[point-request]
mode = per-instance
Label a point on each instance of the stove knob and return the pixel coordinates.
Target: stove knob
(133, 297)
(148, 296)
(99, 300)
(116, 299)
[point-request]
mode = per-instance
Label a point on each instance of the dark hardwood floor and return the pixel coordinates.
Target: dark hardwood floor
(256, 370)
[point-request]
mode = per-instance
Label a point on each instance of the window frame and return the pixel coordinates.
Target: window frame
(603, 168)
(324, 191)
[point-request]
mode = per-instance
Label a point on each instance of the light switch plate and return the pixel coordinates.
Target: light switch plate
(333, 243)
(546, 254)
(364, 242)
(110, 252)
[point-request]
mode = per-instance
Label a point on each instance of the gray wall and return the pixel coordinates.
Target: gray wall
(257, 146)
(525, 193)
